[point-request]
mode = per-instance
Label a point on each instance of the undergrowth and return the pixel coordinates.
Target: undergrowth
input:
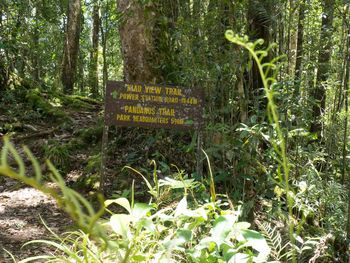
(207, 230)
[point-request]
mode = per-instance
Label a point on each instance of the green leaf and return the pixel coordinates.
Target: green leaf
(120, 224)
(181, 207)
(120, 201)
(242, 225)
(147, 224)
(222, 227)
(176, 184)
(257, 242)
(241, 258)
(140, 210)
(139, 258)
(36, 259)
(184, 234)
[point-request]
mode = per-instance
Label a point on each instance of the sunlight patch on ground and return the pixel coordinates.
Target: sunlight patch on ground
(28, 197)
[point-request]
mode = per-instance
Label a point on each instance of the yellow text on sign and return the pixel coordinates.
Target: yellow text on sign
(173, 91)
(133, 88)
(177, 121)
(166, 112)
(123, 117)
(129, 96)
(153, 89)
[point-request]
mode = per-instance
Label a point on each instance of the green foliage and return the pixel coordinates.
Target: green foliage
(91, 135)
(78, 102)
(207, 233)
(58, 154)
(40, 104)
(93, 164)
(198, 232)
(268, 72)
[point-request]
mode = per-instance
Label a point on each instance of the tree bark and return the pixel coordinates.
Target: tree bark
(259, 24)
(136, 41)
(3, 78)
(300, 50)
(35, 55)
(324, 57)
(94, 51)
(71, 46)
(346, 120)
(104, 35)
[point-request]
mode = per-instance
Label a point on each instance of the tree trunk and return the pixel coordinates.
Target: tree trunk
(259, 24)
(71, 46)
(3, 78)
(346, 95)
(136, 41)
(300, 50)
(104, 35)
(35, 55)
(94, 51)
(324, 57)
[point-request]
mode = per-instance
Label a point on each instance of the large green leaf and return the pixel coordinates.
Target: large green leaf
(184, 234)
(181, 207)
(240, 258)
(222, 227)
(140, 210)
(258, 243)
(176, 184)
(147, 224)
(120, 201)
(120, 224)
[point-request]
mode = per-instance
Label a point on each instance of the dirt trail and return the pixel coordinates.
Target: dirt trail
(21, 207)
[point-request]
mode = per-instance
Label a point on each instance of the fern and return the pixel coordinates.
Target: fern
(268, 72)
(274, 240)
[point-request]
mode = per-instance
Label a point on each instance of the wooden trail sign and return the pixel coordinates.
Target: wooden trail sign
(153, 106)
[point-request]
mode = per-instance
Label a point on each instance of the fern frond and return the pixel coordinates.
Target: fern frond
(69, 200)
(275, 241)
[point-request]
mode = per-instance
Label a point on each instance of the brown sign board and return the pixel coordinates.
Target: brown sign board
(157, 106)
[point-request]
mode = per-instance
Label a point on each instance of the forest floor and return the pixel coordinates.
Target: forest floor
(24, 209)
(67, 130)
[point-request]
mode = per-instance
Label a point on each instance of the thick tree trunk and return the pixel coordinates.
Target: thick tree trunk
(136, 41)
(94, 51)
(71, 46)
(324, 57)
